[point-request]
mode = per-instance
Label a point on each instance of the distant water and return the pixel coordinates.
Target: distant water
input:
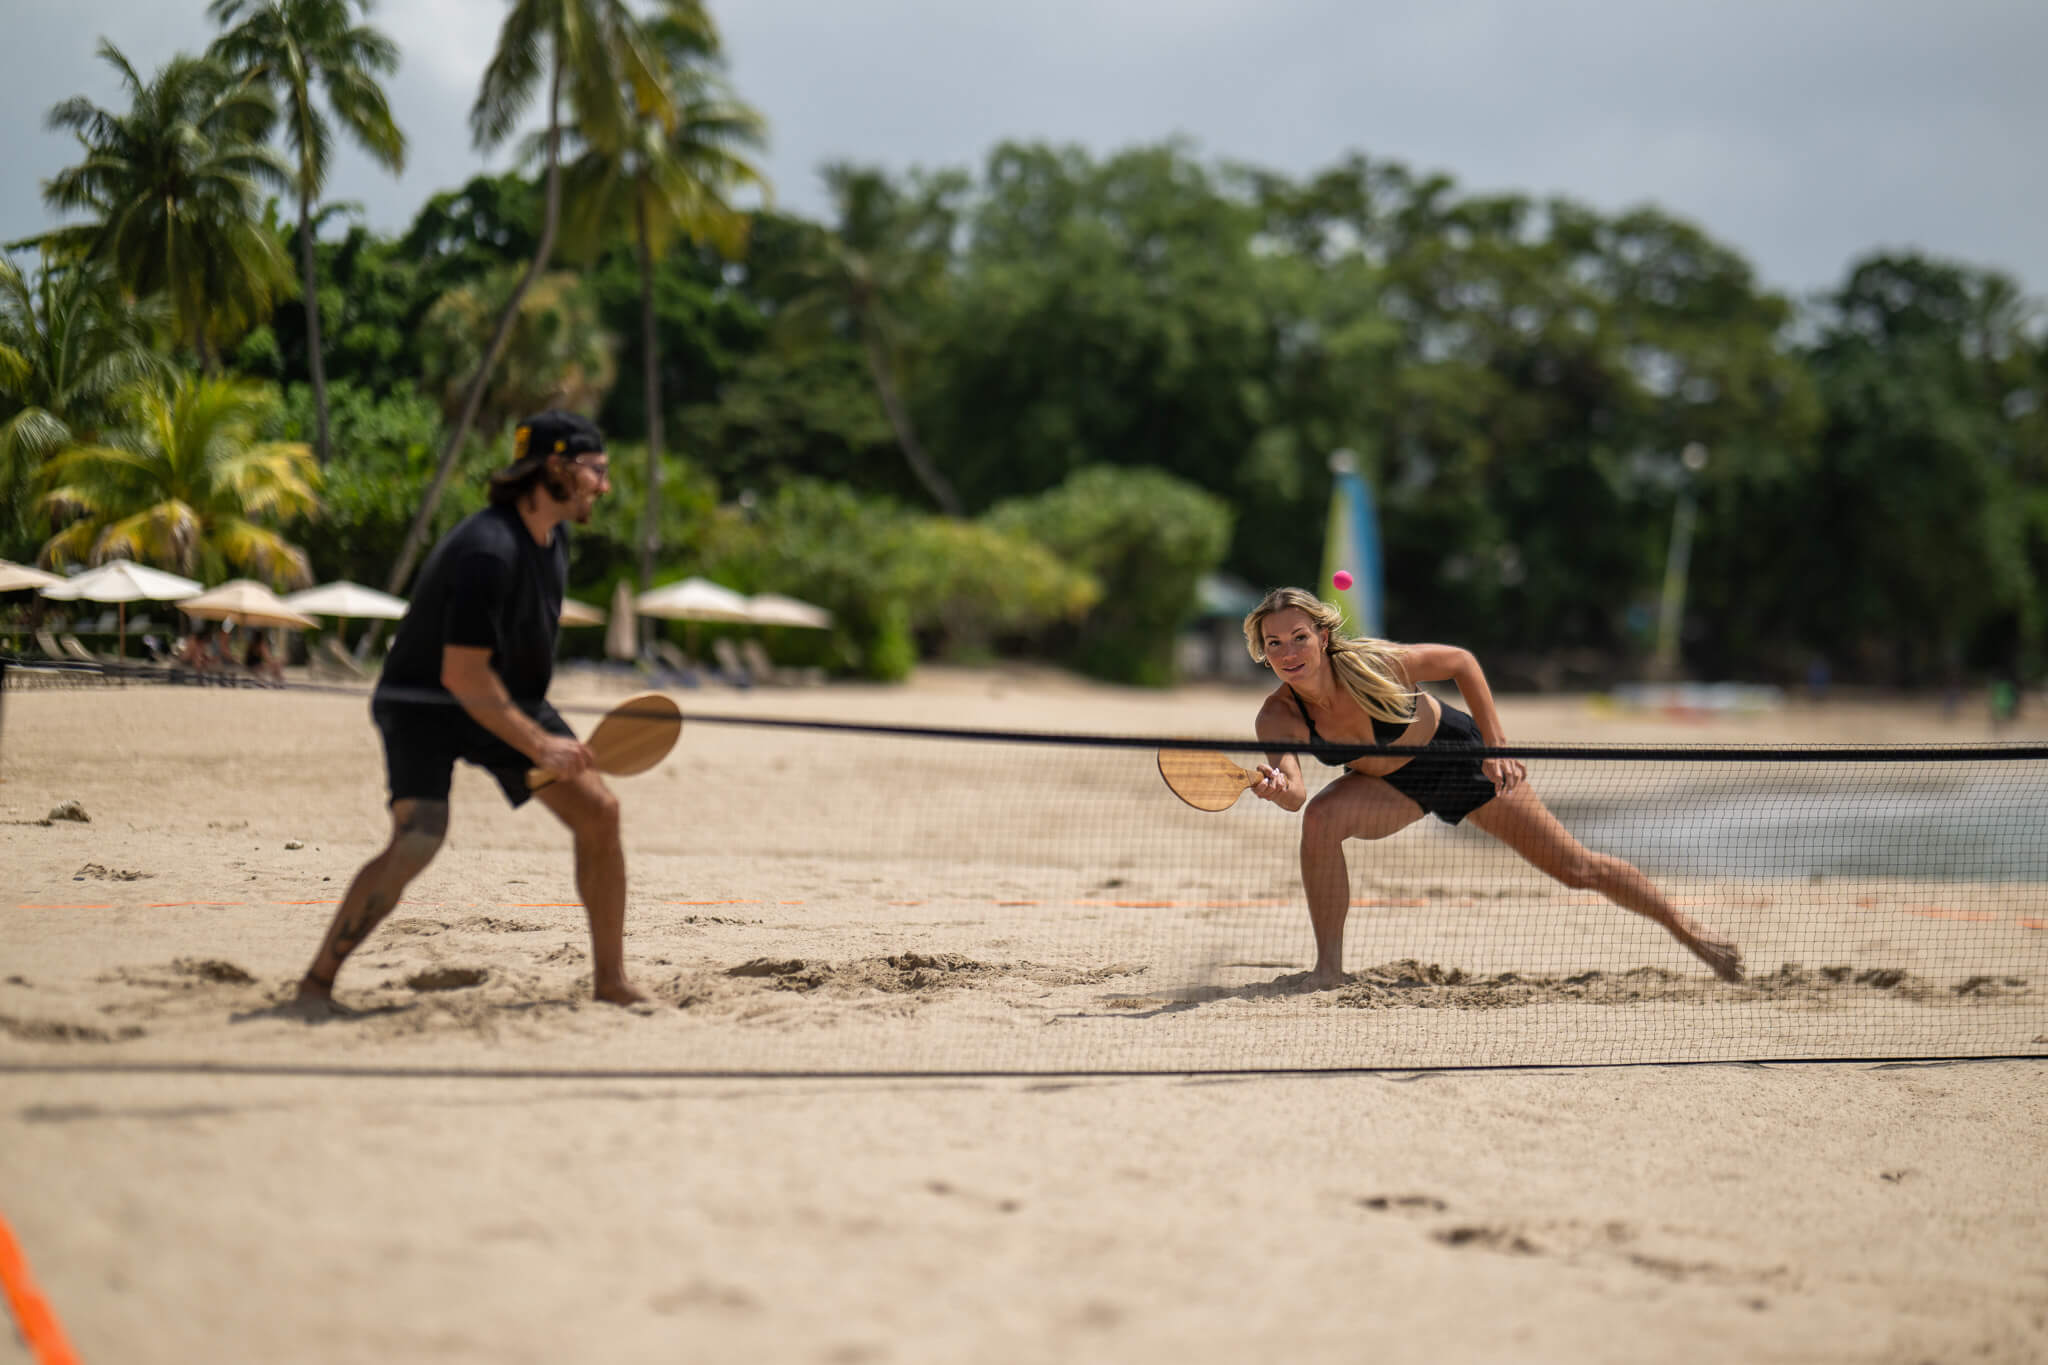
(1988, 823)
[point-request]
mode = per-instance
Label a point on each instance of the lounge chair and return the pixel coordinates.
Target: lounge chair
(75, 650)
(343, 662)
(767, 670)
(47, 643)
(730, 668)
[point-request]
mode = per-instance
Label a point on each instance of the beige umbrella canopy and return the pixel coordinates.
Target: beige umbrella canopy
(576, 613)
(693, 599)
(772, 609)
(246, 602)
(349, 600)
(15, 577)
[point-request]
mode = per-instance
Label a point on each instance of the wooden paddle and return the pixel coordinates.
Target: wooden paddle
(633, 737)
(1204, 778)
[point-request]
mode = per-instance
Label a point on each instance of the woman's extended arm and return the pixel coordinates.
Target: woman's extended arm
(1436, 663)
(1280, 776)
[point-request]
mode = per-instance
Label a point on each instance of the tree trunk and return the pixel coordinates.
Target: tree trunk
(319, 366)
(415, 539)
(650, 512)
(933, 481)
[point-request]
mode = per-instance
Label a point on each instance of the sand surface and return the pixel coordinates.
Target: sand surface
(473, 1162)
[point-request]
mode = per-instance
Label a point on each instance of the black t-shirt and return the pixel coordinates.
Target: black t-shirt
(487, 586)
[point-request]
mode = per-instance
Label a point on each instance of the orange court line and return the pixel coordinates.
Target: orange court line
(757, 902)
(40, 1330)
(1943, 912)
(172, 905)
(1017, 902)
(2034, 924)
(724, 902)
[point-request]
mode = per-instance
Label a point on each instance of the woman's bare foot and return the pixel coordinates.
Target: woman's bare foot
(311, 988)
(1720, 955)
(622, 992)
(1324, 979)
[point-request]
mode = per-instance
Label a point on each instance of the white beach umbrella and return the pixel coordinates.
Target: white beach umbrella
(693, 599)
(345, 599)
(621, 634)
(576, 613)
(15, 577)
(772, 609)
(122, 581)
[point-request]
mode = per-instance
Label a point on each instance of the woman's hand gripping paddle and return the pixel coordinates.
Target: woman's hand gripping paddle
(633, 737)
(1204, 778)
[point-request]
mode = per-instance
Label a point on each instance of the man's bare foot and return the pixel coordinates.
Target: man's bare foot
(312, 988)
(1723, 957)
(623, 993)
(1325, 979)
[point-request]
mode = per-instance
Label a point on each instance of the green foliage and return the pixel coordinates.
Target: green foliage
(69, 345)
(186, 481)
(383, 456)
(889, 575)
(1146, 537)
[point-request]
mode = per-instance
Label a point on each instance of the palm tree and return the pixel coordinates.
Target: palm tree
(68, 345)
(186, 482)
(883, 252)
(290, 45)
(173, 193)
(597, 51)
(661, 184)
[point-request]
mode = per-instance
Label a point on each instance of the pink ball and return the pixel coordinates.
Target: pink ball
(1341, 579)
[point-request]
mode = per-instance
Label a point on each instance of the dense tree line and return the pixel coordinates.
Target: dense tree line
(1024, 406)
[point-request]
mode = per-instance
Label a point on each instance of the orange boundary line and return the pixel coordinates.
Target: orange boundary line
(40, 1330)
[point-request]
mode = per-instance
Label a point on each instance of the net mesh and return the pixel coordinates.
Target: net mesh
(845, 898)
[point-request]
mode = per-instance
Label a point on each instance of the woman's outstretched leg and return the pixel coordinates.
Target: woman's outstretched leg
(1522, 822)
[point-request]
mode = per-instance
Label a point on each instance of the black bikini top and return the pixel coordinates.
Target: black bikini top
(1338, 755)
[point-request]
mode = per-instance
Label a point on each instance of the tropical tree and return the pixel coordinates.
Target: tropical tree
(556, 353)
(662, 183)
(291, 46)
(887, 250)
(598, 53)
(187, 482)
(173, 193)
(68, 345)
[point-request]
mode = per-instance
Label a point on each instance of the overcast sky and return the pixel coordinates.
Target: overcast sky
(1802, 132)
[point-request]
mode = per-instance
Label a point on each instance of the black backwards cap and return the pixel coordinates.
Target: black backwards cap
(553, 432)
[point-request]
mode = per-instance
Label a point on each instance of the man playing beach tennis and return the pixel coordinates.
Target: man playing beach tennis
(467, 678)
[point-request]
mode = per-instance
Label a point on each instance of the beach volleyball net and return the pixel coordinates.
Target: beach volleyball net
(829, 897)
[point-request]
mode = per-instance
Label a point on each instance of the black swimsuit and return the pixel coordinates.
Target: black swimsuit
(1449, 785)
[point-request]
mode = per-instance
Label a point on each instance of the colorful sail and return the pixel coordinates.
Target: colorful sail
(1353, 544)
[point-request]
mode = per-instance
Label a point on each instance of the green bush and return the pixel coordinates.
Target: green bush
(889, 576)
(1147, 538)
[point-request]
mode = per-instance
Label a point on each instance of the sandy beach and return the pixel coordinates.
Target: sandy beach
(885, 1108)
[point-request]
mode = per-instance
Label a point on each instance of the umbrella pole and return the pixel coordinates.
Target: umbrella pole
(121, 640)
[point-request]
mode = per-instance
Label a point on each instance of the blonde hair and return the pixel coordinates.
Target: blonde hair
(1368, 668)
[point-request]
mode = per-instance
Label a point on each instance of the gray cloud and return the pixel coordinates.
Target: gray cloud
(1803, 134)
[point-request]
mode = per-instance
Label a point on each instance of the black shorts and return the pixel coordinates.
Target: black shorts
(422, 742)
(1449, 785)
